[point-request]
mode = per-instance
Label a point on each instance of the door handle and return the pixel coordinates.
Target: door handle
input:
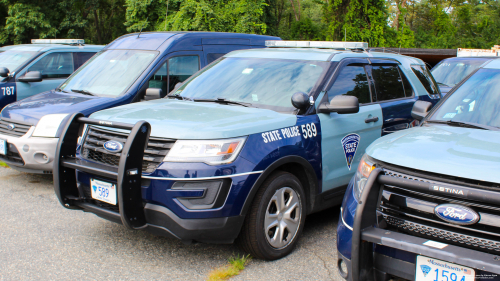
(371, 119)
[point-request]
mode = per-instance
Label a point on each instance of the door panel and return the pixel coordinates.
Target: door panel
(28, 89)
(334, 127)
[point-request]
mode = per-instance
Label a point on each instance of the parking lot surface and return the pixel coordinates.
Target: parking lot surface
(40, 240)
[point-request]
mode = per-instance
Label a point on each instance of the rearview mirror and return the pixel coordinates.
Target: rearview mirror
(31, 76)
(153, 94)
(420, 109)
(4, 72)
(340, 104)
(300, 100)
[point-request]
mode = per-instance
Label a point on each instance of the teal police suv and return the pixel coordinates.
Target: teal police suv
(245, 148)
(424, 203)
(29, 69)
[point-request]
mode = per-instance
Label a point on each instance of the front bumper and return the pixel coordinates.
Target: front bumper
(377, 253)
(36, 154)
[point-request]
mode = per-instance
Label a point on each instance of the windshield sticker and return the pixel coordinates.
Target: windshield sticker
(255, 97)
(247, 71)
(286, 133)
(350, 145)
(449, 115)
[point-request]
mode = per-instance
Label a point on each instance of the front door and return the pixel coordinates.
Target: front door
(345, 137)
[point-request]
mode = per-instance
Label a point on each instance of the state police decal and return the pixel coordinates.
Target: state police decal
(350, 145)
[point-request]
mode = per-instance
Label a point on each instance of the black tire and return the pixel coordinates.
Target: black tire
(252, 238)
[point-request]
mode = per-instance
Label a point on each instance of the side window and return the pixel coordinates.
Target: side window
(351, 81)
(81, 57)
(180, 69)
(174, 70)
(212, 57)
(388, 83)
(407, 85)
(427, 80)
(54, 65)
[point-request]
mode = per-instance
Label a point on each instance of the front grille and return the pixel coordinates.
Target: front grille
(12, 155)
(409, 211)
(18, 129)
(93, 149)
(88, 198)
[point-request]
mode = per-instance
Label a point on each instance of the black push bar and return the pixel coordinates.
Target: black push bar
(127, 175)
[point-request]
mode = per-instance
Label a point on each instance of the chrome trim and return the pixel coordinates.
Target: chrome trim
(343, 221)
(201, 179)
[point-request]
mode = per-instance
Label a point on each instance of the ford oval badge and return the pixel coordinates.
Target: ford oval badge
(113, 146)
(456, 214)
(11, 127)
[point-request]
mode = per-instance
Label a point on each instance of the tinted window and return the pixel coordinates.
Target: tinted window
(407, 85)
(213, 57)
(54, 65)
(81, 58)
(351, 81)
(388, 83)
(426, 79)
(180, 68)
(476, 101)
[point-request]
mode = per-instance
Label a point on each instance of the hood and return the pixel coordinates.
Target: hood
(198, 120)
(455, 151)
(33, 108)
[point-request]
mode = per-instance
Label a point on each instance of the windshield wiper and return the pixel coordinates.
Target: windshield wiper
(178, 97)
(224, 101)
(463, 124)
(85, 92)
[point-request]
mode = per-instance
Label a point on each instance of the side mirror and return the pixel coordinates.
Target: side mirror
(420, 109)
(31, 76)
(4, 72)
(153, 94)
(300, 100)
(340, 104)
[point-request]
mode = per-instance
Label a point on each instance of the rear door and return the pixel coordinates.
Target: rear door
(345, 137)
(394, 93)
(55, 68)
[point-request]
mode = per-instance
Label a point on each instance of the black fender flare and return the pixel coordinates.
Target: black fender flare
(311, 177)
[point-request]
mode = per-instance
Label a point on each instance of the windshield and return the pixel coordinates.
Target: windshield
(263, 83)
(109, 73)
(476, 101)
(14, 59)
(451, 72)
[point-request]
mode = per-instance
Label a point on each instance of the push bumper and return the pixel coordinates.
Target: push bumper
(30, 154)
(131, 210)
(366, 264)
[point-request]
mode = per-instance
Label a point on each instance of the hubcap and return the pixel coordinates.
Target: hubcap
(282, 217)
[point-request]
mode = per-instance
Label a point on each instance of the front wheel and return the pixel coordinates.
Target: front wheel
(276, 218)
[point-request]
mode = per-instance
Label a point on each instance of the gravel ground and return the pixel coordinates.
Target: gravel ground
(40, 240)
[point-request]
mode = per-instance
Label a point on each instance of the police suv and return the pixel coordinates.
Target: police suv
(424, 203)
(245, 148)
(29, 69)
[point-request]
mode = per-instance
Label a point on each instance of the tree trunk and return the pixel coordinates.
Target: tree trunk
(294, 11)
(98, 29)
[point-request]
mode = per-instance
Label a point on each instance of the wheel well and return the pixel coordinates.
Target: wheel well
(306, 179)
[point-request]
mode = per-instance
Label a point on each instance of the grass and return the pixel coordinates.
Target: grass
(3, 164)
(234, 267)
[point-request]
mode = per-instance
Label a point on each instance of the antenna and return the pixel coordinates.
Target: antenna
(142, 27)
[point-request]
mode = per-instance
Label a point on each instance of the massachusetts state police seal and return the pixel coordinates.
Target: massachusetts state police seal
(350, 145)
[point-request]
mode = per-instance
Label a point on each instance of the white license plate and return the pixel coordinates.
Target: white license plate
(430, 269)
(3, 147)
(104, 191)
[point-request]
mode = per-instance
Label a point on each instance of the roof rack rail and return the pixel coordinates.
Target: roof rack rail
(317, 44)
(493, 52)
(58, 41)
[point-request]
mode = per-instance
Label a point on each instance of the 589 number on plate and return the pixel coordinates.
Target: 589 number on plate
(309, 130)
(7, 91)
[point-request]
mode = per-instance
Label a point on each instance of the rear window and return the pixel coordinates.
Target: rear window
(427, 80)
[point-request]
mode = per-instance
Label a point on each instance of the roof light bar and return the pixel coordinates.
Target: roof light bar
(58, 41)
(493, 52)
(318, 44)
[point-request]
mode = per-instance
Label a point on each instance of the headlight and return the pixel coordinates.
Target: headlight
(48, 125)
(212, 152)
(365, 168)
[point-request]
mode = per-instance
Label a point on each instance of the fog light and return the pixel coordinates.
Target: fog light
(343, 268)
(41, 158)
